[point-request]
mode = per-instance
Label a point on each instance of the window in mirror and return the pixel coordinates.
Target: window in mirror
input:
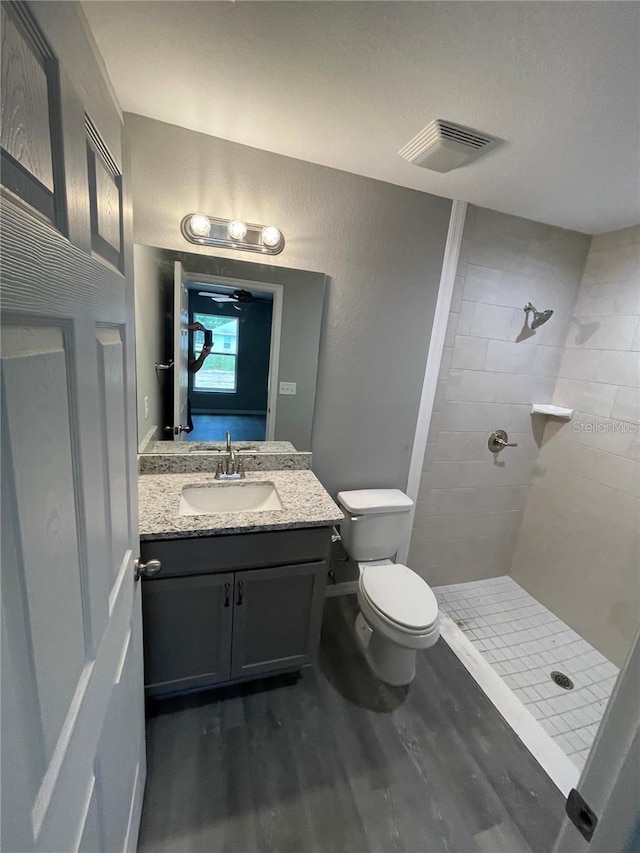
(219, 373)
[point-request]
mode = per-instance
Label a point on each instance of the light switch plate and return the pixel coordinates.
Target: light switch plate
(288, 387)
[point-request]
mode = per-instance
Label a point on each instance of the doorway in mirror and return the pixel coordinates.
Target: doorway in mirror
(229, 361)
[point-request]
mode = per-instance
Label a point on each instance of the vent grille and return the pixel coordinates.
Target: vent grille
(464, 136)
(463, 144)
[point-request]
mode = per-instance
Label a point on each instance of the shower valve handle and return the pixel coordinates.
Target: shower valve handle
(498, 440)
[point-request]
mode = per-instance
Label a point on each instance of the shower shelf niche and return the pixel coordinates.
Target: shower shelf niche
(552, 411)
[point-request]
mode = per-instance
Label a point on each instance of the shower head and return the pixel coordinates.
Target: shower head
(539, 317)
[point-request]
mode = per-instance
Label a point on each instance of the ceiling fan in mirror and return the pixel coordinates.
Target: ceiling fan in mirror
(236, 297)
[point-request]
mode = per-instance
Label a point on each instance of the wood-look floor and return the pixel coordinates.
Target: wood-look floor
(241, 427)
(337, 761)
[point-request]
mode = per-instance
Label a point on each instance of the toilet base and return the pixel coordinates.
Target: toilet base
(392, 664)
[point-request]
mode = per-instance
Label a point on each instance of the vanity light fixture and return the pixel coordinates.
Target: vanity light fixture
(237, 230)
(232, 234)
(199, 224)
(271, 236)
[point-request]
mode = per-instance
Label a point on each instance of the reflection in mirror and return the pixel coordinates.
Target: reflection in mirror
(224, 346)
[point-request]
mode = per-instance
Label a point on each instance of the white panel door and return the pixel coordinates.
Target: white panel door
(180, 353)
(73, 759)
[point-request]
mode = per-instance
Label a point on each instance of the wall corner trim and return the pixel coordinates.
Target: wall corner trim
(434, 357)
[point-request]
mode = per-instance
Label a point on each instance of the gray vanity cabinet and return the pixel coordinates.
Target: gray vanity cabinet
(187, 628)
(276, 618)
(229, 608)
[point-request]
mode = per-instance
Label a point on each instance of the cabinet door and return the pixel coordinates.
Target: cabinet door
(187, 631)
(276, 618)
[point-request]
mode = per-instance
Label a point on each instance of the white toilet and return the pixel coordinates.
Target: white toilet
(398, 611)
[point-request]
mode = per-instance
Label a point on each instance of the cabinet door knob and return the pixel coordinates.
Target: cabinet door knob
(146, 570)
(227, 594)
(239, 599)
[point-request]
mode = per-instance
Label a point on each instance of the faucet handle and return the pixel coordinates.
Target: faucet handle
(498, 440)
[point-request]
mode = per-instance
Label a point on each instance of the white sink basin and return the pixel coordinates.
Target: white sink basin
(236, 497)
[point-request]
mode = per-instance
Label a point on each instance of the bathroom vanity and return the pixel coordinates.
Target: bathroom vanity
(240, 593)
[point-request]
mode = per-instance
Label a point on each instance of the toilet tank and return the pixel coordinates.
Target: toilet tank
(376, 522)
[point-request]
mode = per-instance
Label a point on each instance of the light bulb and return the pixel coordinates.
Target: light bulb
(236, 229)
(200, 225)
(271, 236)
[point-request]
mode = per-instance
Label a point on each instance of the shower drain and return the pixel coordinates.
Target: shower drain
(562, 680)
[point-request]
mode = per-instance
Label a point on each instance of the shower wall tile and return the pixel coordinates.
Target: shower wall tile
(469, 352)
(443, 502)
(473, 445)
(475, 525)
(619, 368)
(580, 363)
(445, 362)
(488, 321)
(627, 405)
(458, 289)
(612, 239)
(578, 547)
(594, 331)
(594, 397)
(471, 417)
(470, 502)
(522, 358)
(452, 475)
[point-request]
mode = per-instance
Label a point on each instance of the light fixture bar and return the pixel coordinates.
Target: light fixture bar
(232, 234)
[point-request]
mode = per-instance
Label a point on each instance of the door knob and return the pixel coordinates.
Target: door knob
(146, 570)
(498, 440)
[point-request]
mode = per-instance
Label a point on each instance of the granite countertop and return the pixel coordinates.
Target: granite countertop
(305, 503)
(182, 447)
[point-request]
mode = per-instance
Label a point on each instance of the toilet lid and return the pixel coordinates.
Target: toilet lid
(401, 595)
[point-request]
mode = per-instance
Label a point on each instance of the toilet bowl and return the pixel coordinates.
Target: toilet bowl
(398, 615)
(398, 611)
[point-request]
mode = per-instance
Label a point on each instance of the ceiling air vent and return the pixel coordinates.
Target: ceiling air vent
(443, 146)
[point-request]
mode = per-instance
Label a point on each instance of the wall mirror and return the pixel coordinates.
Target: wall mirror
(256, 378)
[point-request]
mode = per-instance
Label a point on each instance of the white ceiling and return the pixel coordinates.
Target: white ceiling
(346, 84)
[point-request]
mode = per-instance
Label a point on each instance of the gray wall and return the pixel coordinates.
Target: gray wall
(381, 246)
(578, 550)
(470, 501)
(149, 340)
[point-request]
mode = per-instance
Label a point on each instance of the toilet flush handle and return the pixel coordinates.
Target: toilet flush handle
(356, 517)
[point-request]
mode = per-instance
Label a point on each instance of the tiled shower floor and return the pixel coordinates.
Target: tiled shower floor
(525, 642)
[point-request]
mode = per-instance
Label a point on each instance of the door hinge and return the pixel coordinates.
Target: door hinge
(581, 815)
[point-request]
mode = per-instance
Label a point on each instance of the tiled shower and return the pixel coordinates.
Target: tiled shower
(554, 523)
(525, 642)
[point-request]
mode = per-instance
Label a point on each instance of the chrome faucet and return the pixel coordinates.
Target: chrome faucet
(227, 469)
(231, 456)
